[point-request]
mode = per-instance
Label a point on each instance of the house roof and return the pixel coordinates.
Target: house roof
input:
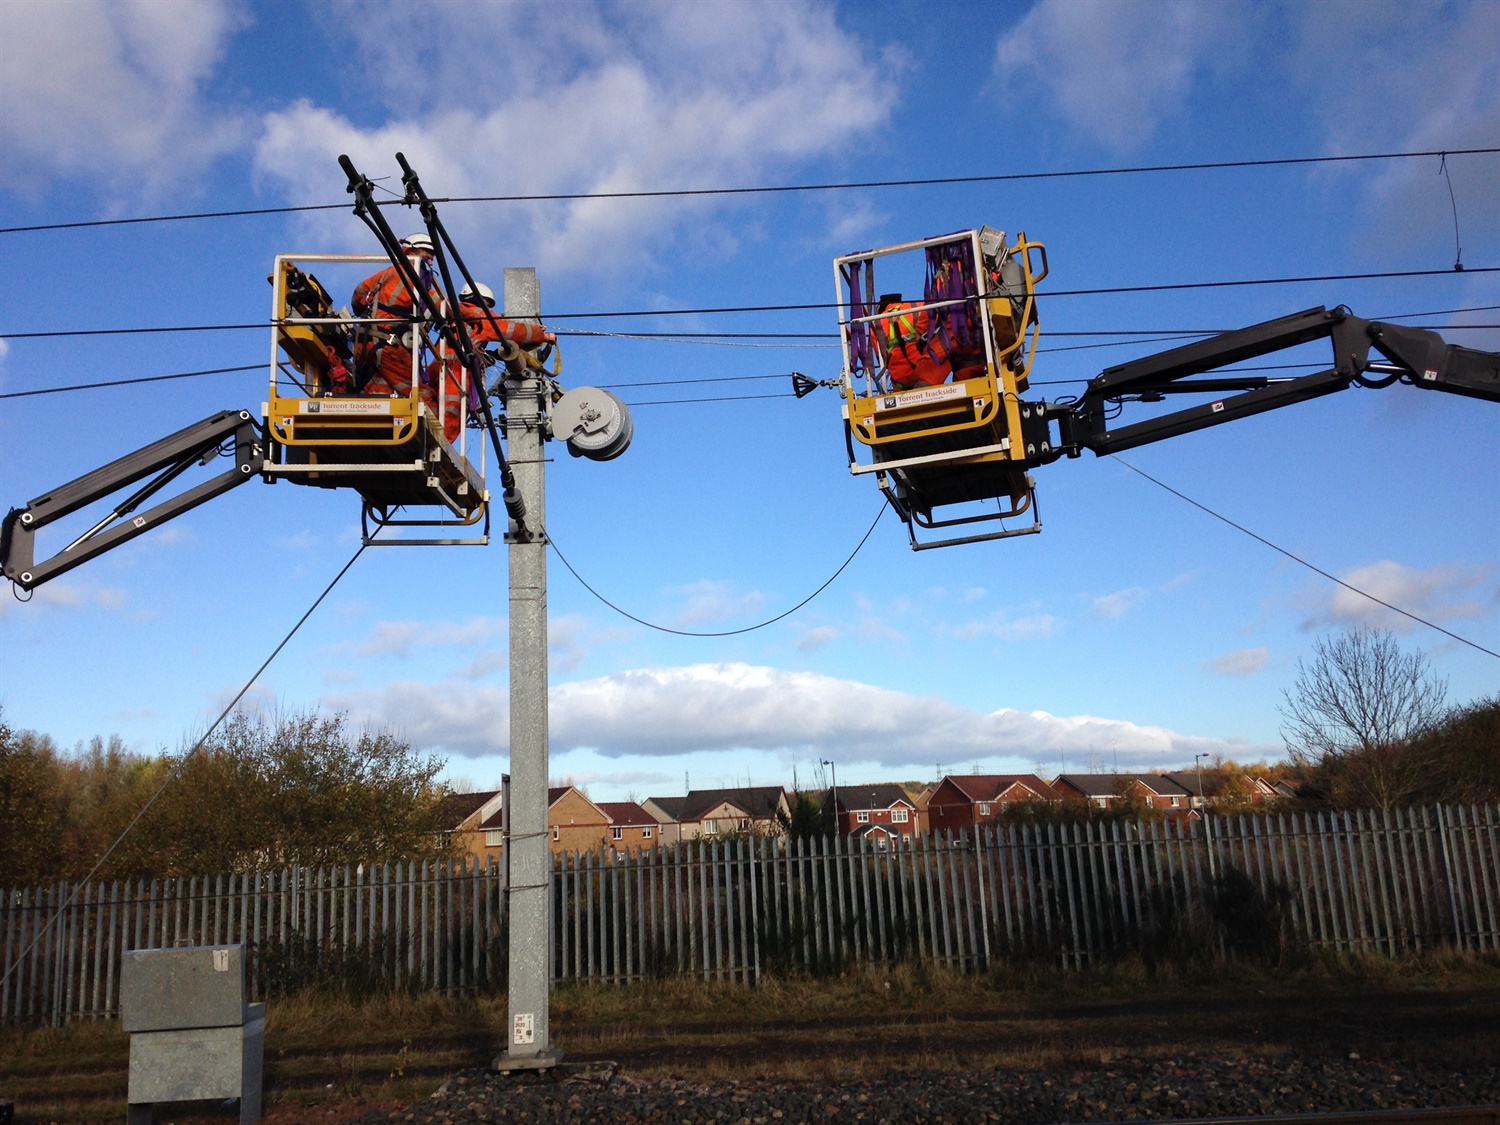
(627, 814)
(669, 807)
(494, 822)
(760, 802)
(874, 830)
(458, 807)
(1109, 784)
(885, 796)
(1213, 781)
(990, 786)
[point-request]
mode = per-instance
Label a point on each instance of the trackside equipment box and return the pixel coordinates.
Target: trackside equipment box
(192, 1036)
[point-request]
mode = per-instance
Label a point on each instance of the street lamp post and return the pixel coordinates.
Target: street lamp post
(1208, 836)
(834, 773)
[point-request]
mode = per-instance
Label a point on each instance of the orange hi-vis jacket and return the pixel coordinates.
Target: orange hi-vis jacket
(911, 358)
(455, 377)
(516, 331)
(386, 365)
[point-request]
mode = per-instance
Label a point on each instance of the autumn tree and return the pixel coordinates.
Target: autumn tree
(32, 813)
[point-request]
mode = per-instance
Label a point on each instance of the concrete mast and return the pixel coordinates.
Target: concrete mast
(530, 856)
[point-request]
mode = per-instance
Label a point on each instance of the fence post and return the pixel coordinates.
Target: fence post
(1445, 867)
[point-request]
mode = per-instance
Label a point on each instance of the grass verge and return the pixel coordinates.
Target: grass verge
(329, 1058)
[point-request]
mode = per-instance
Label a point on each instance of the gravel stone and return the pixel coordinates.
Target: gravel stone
(1122, 1090)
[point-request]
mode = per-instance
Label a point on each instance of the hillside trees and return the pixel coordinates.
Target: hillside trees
(1367, 726)
(32, 809)
(296, 788)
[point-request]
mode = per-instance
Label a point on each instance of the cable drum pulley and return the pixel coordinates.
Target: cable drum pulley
(594, 423)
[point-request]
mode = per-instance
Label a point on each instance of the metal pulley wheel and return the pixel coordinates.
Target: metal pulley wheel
(593, 422)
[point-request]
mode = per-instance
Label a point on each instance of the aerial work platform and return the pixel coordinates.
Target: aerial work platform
(323, 431)
(953, 431)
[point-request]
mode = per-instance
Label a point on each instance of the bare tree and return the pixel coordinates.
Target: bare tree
(1355, 710)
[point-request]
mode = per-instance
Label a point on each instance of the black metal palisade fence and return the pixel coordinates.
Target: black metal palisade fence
(1385, 881)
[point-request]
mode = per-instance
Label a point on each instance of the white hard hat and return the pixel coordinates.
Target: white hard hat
(486, 294)
(419, 241)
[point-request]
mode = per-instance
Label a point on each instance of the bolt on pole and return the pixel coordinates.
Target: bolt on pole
(529, 1029)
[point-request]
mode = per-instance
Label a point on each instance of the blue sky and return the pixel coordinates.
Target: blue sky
(1134, 630)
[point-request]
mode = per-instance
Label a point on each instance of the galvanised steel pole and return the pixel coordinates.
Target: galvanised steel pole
(530, 857)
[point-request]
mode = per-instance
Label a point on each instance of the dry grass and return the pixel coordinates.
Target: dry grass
(339, 1055)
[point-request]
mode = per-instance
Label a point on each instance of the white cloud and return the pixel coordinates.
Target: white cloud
(398, 638)
(655, 712)
(65, 594)
(1114, 70)
(1383, 74)
(1440, 593)
(816, 637)
(1032, 627)
(1240, 662)
(111, 88)
(571, 639)
(1111, 607)
(632, 96)
(715, 601)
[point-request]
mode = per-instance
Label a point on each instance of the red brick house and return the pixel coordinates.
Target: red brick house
(884, 812)
(631, 827)
(961, 803)
(1107, 790)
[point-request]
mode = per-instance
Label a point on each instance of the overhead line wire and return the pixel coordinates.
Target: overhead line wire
(772, 189)
(727, 632)
(1148, 336)
(126, 382)
(1171, 286)
(1310, 566)
(1095, 292)
(176, 771)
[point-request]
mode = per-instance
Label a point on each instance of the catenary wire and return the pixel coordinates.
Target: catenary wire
(126, 382)
(817, 305)
(181, 765)
(727, 632)
(1154, 337)
(774, 189)
(1310, 566)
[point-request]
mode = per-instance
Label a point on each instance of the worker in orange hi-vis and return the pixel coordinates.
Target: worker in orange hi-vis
(481, 323)
(383, 350)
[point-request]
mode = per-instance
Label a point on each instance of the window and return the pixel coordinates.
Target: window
(645, 833)
(711, 827)
(1176, 801)
(617, 833)
(745, 823)
(900, 816)
(494, 837)
(556, 833)
(1102, 802)
(862, 817)
(984, 808)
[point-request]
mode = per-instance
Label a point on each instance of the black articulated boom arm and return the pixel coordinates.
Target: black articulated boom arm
(168, 458)
(1412, 355)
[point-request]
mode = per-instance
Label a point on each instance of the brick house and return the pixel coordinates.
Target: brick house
(964, 802)
(631, 827)
(882, 812)
(756, 810)
(575, 823)
(1106, 790)
(464, 816)
(1223, 788)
